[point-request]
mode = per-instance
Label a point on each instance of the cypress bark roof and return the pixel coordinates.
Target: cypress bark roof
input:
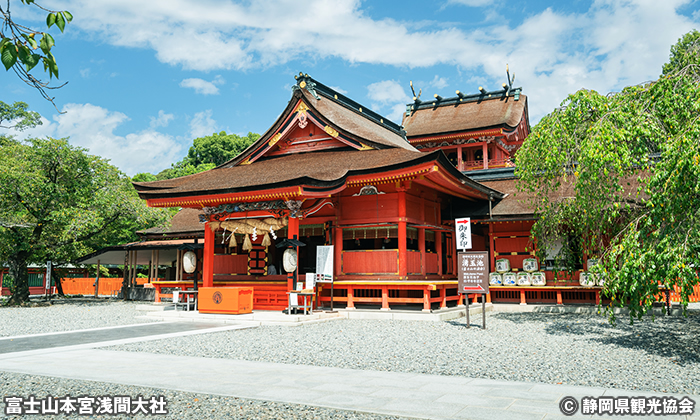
(321, 169)
(451, 116)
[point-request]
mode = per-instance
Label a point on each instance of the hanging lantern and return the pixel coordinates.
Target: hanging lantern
(189, 262)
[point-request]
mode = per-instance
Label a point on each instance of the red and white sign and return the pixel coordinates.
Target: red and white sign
(463, 228)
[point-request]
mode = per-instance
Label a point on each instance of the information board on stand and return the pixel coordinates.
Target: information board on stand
(473, 278)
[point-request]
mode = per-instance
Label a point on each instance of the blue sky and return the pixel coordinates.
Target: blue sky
(146, 77)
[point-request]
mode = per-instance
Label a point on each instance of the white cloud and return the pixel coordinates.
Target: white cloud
(611, 44)
(438, 82)
(200, 86)
(202, 124)
(388, 98)
(471, 3)
(93, 127)
(162, 120)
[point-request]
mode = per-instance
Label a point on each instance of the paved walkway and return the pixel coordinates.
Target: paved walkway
(405, 394)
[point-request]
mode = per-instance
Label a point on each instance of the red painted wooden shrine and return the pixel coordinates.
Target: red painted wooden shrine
(481, 134)
(330, 171)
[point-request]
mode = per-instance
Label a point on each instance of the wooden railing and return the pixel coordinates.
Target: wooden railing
(414, 262)
(431, 263)
(473, 165)
(379, 261)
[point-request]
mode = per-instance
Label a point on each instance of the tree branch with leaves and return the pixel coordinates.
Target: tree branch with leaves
(22, 48)
(631, 161)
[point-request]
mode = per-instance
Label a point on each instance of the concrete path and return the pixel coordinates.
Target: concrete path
(404, 394)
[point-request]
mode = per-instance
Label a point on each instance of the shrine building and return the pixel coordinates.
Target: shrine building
(329, 171)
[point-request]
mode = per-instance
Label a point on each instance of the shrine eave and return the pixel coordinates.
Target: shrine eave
(431, 169)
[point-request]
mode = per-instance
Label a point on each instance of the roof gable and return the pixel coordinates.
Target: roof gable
(319, 118)
(303, 131)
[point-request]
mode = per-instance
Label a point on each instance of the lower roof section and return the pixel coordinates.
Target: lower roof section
(308, 174)
(167, 252)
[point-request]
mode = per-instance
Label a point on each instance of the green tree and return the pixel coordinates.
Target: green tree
(183, 169)
(632, 163)
(205, 153)
(17, 116)
(683, 53)
(57, 202)
(218, 148)
(23, 48)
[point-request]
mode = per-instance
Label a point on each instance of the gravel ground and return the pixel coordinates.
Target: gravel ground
(66, 316)
(575, 349)
(180, 405)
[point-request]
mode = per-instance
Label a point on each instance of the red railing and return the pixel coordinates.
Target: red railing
(380, 261)
(473, 165)
(431, 263)
(414, 263)
(694, 297)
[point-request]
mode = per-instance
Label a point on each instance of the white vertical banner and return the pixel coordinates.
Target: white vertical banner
(48, 275)
(463, 228)
(324, 263)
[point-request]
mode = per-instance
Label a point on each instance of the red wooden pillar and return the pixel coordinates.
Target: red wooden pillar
(385, 298)
(403, 248)
(351, 293)
(559, 299)
(460, 162)
(292, 233)
(421, 248)
(485, 153)
(208, 257)
(426, 299)
(443, 296)
(421, 238)
(338, 251)
(523, 301)
(492, 250)
(438, 250)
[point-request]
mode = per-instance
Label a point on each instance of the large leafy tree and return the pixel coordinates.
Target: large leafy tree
(17, 116)
(57, 202)
(205, 153)
(218, 148)
(22, 48)
(620, 175)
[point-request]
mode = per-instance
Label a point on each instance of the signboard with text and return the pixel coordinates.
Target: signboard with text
(463, 228)
(473, 272)
(324, 264)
